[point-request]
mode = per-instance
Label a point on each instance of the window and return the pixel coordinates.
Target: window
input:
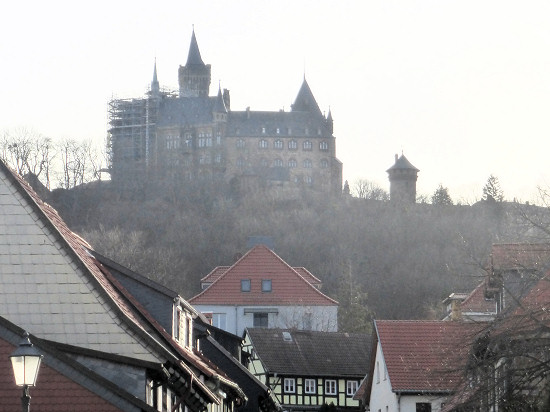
(351, 387)
(278, 144)
(309, 386)
(377, 372)
(323, 146)
(278, 163)
(307, 145)
(266, 285)
(240, 144)
(292, 163)
(307, 164)
(292, 145)
(308, 180)
(240, 163)
(279, 132)
(245, 285)
(263, 130)
(263, 144)
(219, 320)
(261, 320)
(290, 385)
(423, 407)
(330, 387)
(324, 163)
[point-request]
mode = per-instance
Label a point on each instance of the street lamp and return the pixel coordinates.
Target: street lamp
(25, 361)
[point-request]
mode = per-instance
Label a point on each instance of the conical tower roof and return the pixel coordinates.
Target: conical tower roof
(402, 163)
(194, 57)
(305, 102)
(219, 106)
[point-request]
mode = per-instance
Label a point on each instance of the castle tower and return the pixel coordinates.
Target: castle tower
(194, 78)
(403, 176)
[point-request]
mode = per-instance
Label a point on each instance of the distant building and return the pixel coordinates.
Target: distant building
(190, 135)
(402, 177)
(262, 291)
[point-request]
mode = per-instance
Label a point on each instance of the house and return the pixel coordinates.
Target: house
(190, 135)
(221, 348)
(54, 288)
(308, 369)
(475, 306)
(416, 365)
(262, 290)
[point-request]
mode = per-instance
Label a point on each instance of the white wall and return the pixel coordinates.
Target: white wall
(323, 318)
(381, 392)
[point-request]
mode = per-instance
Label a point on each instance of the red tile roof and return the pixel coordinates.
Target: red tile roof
(220, 270)
(520, 256)
(477, 302)
(261, 263)
(425, 355)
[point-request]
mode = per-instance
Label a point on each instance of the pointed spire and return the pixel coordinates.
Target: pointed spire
(155, 88)
(219, 106)
(194, 56)
(330, 122)
(305, 102)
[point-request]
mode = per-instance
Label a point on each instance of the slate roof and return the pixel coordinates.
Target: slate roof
(186, 111)
(520, 256)
(194, 57)
(312, 353)
(425, 355)
(305, 101)
(261, 263)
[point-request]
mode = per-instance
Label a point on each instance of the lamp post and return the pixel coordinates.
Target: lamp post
(25, 361)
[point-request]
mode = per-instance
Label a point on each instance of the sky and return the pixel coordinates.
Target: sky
(462, 88)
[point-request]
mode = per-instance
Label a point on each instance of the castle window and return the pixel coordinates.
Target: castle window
(307, 145)
(292, 145)
(240, 144)
(218, 158)
(307, 164)
(263, 144)
(278, 144)
(278, 131)
(277, 163)
(264, 162)
(324, 163)
(323, 146)
(209, 141)
(330, 387)
(319, 131)
(308, 180)
(263, 130)
(240, 163)
(306, 131)
(290, 385)
(309, 386)
(292, 163)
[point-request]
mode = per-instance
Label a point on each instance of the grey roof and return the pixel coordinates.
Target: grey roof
(312, 353)
(250, 123)
(402, 163)
(305, 102)
(194, 56)
(186, 111)
(219, 106)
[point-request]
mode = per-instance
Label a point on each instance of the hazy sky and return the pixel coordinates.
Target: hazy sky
(462, 88)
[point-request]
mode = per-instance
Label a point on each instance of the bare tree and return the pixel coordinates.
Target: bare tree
(365, 189)
(80, 163)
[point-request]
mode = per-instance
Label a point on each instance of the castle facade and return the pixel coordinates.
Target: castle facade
(189, 135)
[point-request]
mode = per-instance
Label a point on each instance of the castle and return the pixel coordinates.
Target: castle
(189, 135)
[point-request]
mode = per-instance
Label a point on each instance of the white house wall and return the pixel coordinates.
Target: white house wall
(323, 318)
(382, 398)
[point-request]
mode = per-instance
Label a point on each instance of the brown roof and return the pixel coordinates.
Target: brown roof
(477, 302)
(312, 353)
(520, 256)
(425, 355)
(288, 287)
(220, 270)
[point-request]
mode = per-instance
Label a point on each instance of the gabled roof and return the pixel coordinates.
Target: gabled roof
(477, 302)
(520, 256)
(425, 356)
(312, 353)
(261, 263)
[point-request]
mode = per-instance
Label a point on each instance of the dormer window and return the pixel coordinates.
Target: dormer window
(263, 130)
(266, 285)
(245, 285)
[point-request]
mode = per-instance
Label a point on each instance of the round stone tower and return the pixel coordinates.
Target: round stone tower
(402, 177)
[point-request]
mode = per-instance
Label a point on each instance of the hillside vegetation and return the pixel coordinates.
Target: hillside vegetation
(374, 257)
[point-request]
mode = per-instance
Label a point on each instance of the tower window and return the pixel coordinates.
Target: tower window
(323, 146)
(307, 145)
(292, 145)
(278, 144)
(263, 144)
